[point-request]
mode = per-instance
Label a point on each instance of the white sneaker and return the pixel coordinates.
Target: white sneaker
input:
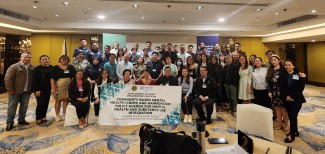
(58, 118)
(63, 117)
(185, 118)
(189, 120)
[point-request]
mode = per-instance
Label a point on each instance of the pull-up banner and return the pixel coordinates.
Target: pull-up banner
(122, 105)
(208, 40)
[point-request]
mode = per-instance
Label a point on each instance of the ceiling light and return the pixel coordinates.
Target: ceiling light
(101, 17)
(259, 9)
(257, 19)
(234, 12)
(65, 3)
(221, 19)
(135, 5)
(34, 6)
(313, 40)
(89, 8)
(56, 15)
(199, 8)
(142, 17)
(276, 13)
(314, 11)
(183, 19)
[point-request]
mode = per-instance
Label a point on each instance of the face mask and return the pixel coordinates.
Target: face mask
(222, 58)
(179, 63)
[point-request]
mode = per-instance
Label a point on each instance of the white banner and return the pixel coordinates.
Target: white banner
(136, 104)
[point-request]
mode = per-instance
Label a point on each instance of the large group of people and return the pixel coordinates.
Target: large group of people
(219, 77)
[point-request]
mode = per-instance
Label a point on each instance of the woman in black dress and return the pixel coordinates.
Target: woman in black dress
(42, 87)
(292, 84)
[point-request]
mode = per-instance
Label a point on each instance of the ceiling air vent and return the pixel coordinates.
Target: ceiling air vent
(296, 20)
(13, 14)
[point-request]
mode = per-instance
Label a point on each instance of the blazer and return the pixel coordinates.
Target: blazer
(295, 90)
(210, 87)
(74, 91)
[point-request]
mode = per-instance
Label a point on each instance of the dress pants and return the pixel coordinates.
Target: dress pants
(208, 104)
(232, 96)
(293, 109)
(42, 105)
(82, 108)
(187, 107)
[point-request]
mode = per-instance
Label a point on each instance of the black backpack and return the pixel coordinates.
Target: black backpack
(155, 141)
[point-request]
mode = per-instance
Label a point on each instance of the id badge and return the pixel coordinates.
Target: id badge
(81, 90)
(204, 86)
(66, 71)
(154, 70)
(191, 73)
(100, 70)
(167, 84)
(184, 90)
(295, 77)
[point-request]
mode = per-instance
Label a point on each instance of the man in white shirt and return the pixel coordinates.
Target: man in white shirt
(124, 65)
(183, 55)
(115, 48)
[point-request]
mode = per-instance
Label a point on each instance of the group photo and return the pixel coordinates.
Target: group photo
(171, 88)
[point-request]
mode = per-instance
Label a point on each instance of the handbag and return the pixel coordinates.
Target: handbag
(154, 141)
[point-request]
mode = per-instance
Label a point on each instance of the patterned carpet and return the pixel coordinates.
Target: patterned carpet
(53, 137)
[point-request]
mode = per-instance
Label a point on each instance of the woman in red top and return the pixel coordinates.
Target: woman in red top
(146, 79)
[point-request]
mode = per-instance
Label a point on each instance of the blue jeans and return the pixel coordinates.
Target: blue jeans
(23, 99)
(231, 91)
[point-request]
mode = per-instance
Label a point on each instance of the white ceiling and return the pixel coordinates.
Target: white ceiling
(156, 18)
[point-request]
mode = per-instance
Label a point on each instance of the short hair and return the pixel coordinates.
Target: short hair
(44, 56)
(175, 45)
(269, 51)
(65, 57)
(238, 43)
(112, 55)
(190, 46)
(132, 49)
(156, 53)
(204, 67)
(169, 44)
(167, 68)
(126, 70)
(145, 49)
(25, 53)
(148, 42)
(83, 40)
(94, 43)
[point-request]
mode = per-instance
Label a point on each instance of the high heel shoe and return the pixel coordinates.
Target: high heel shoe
(290, 138)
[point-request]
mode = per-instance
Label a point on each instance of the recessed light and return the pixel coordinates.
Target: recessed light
(135, 5)
(65, 3)
(313, 40)
(276, 13)
(183, 19)
(34, 6)
(259, 9)
(101, 17)
(56, 15)
(199, 7)
(314, 11)
(221, 19)
(234, 12)
(257, 19)
(89, 8)
(142, 17)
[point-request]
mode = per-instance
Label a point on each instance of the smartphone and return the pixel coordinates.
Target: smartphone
(217, 141)
(206, 134)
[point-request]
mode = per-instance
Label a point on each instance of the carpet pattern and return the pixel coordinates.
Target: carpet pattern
(53, 137)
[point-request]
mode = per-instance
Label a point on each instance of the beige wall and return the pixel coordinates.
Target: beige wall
(316, 62)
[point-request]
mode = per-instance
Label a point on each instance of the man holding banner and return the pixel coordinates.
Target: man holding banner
(205, 93)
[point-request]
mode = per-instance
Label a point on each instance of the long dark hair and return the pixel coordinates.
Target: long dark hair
(99, 81)
(270, 71)
(74, 79)
(246, 63)
(250, 63)
(187, 78)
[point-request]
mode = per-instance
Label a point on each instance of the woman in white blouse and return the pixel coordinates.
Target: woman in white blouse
(127, 78)
(102, 80)
(260, 84)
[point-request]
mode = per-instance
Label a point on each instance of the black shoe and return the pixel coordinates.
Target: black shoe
(201, 119)
(9, 127)
(209, 121)
(274, 118)
(23, 123)
(297, 134)
(287, 140)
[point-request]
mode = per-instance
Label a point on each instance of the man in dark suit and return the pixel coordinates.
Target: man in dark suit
(205, 93)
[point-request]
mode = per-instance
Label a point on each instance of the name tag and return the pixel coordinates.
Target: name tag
(191, 73)
(66, 71)
(184, 90)
(295, 77)
(100, 70)
(81, 90)
(204, 86)
(154, 70)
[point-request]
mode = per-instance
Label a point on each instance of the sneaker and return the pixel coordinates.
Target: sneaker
(189, 120)
(63, 117)
(185, 119)
(58, 118)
